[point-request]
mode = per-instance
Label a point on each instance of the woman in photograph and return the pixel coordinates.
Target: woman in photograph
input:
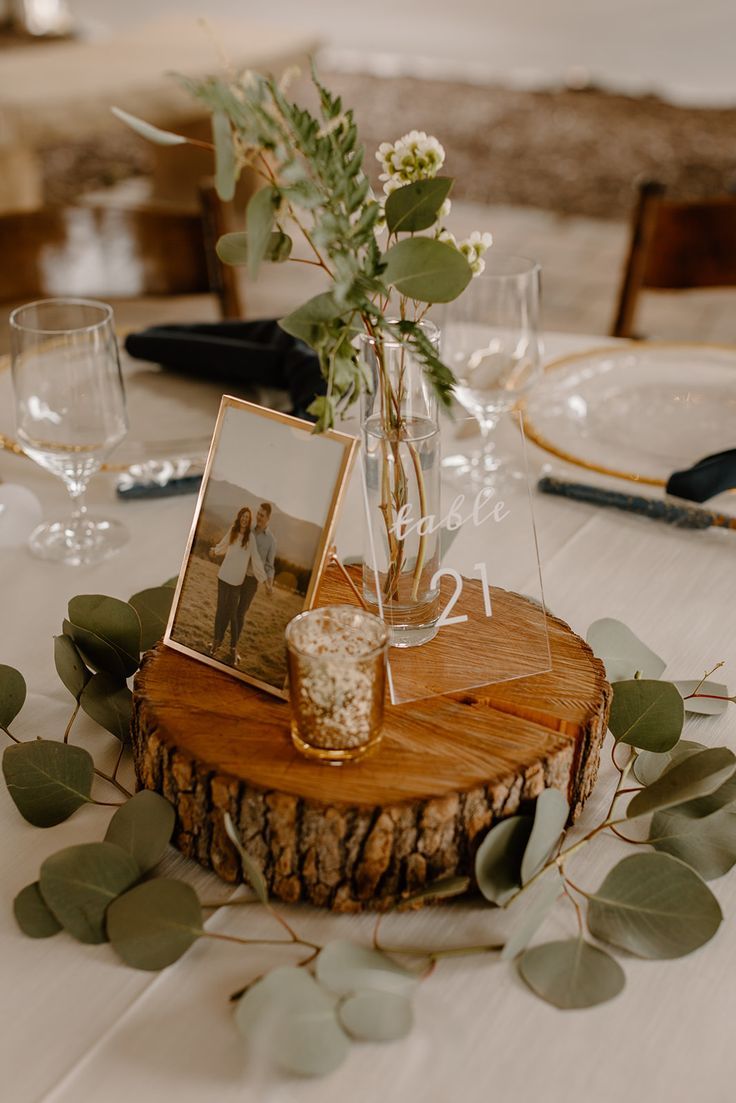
(240, 550)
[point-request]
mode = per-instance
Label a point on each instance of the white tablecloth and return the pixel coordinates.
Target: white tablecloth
(77, 1025)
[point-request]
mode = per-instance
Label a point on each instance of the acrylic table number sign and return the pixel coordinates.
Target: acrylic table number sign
(488, 622)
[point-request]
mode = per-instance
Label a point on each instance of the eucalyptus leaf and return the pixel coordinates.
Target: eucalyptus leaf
(226, 168)
(550, 816)
(654, 906)
(572, 974)
(623, 653)
(376, 1016)
(153, 924)
(251, 869)
(12, 694)
(33, 915)
(291, 1020)
(153, 607)
(442, 889)
(109, 702)
(416, 206)
(533, 913)
(172, 582)
(47, 780)
(426, 269)
(649, 766)
(79, 882)
(711, 704)
(143, 827)
(344, 967)
(233, 248)
(259, 221)
(646, 714)
(113, 621)
(706, 843)
(722, 797)
(70, 665)
(146, 130)
(317, 310)
(97, 654)
(499, 857)
(696, 776)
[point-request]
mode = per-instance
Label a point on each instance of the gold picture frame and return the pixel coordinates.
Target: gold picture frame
(200, 597)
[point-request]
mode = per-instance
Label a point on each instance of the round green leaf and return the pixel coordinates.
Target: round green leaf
(416, 206)
(153, 608)
(70, 665)
(233, 248)
(426, 269)
(533, 912)
(321, 308)
(706, 843)
(153, 924)
(290, 1019)
(113, 621)
(695, 776)
(47, 780)
(226, 169)
(259, 220)
(649, 767)
(344, 967)
(143, 827)
(499, 857)
(79, 882)
(376, 1016)
(572, 974)
(646, 714)
(251, 869)
(147, 130)
(655, 906)
(110, 704)
(33, 915)
(623, 653)
(711, 703)
(97, 654)
(12, 694)
(550, 816)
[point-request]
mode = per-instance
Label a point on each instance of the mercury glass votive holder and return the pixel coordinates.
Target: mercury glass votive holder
(337, 682)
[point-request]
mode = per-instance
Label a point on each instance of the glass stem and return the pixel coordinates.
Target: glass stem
(77, 493)
(487, 422)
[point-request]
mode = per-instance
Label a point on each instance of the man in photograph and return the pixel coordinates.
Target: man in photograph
(266, 546)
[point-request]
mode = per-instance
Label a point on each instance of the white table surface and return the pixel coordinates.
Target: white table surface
(78, 1025)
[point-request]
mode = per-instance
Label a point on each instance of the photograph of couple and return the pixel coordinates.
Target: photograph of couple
(263, 521)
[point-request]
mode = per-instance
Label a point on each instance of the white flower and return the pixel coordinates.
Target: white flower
(480, 242)
(444, 211)
(392, 184)
(478, 267)
(415, 156)
(446, 236)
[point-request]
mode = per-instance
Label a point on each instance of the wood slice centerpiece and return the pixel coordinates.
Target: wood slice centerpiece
(364, 835)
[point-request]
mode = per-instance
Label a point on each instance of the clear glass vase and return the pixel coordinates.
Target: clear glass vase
(401, 457)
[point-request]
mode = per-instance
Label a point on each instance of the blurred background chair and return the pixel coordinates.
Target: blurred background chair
(675, 245)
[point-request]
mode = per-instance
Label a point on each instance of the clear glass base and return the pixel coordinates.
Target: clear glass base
(330, 756)
(78, 541)
(407, 636)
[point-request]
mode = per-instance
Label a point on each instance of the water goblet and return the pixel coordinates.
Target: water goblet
(70, 414)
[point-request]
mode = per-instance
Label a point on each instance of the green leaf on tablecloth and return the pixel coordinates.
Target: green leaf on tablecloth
(109, 702)
(426, 269)
(33, 915)
(251, 870)
(47, 780)
(153, 607)
(233, 248)
(646, 714)
(12, 694)
(654, 906)
(172, 582)
(416, 206)
(704, 705)
(572, 974)
(97, 654)
(111, 620)
(499, 857)
(79, 882)
(259, 219)
(70, 665)
(696, 776)
(649, 766)
(153, 924)
(442, 889)
(623, 653)
(551, 812)
(722, 797)
(147, 130)
(143, 827)
(706, 843)
(226, 166)
(344, 967)
(533, 912)
(376, 1016)
(288, 1018)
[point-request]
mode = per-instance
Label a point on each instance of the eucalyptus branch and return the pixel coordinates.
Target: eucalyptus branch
(10, 734)
(111, 780)
(72, 718)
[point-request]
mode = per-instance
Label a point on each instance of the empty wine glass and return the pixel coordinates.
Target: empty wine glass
(490, 341)
(70, 414)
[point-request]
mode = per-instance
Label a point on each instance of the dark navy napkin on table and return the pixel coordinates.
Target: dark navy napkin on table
(708, 477)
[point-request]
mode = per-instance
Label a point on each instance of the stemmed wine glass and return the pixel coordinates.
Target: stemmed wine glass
(490, 341)
(70, 414)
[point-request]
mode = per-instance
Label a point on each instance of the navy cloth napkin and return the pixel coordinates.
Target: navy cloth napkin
(708, 477)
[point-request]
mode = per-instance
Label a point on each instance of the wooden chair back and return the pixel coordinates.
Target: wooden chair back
(117, 253)
(676, 244)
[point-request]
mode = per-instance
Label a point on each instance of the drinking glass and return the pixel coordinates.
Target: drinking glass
(490, 341)
(70, 414)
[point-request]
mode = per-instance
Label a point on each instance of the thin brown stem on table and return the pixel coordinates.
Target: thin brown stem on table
(113, 781)
(706, 676)
(107, 803)
(625, 838)
(449, 951)
(214, 905)
(578, 911)
(10, 734)
(118, 761)
(72, 718)
(261, 941)
(576, 888)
